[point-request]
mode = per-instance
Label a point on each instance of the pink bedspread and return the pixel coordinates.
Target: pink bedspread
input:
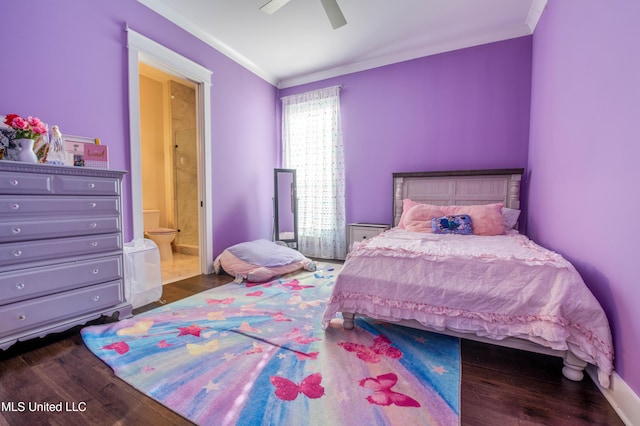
(496, 287)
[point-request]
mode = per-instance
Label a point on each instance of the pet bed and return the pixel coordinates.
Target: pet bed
(260, 261)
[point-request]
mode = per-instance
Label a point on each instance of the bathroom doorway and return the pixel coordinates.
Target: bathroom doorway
(169, 161)
(142, 50)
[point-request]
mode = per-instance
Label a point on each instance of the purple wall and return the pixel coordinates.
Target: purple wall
(66, 63)
(457, 110)
(584, 153)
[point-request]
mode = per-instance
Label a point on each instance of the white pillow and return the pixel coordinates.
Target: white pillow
(510, 217)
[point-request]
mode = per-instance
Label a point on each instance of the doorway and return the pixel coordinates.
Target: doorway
(143, 52)
(168, 141)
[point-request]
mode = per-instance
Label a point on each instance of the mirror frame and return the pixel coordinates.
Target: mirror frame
(291, 242)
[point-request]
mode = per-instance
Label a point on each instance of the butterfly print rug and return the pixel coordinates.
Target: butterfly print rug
(256, 354)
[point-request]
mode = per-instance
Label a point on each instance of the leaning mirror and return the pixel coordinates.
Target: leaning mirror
(285, 207)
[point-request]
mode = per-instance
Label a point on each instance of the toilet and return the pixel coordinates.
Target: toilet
(163, 237)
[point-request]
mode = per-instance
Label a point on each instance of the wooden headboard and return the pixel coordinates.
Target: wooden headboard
(461, 187)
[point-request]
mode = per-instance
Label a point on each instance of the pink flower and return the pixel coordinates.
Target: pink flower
(30, 128)
(40, 128)
(33, 121)
(19, 123)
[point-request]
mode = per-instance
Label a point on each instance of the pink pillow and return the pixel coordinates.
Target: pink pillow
(487, 219)
(406, 206)
(418, 218)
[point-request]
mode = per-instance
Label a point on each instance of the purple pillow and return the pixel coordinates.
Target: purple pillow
(265, 253)
(455, 224)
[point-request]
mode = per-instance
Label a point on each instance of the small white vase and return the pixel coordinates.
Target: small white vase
(26, 153)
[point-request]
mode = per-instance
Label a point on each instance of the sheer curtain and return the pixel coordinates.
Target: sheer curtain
(312, 144)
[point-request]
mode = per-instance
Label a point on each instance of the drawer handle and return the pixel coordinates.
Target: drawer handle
(95, 271)
(16, 230)
(93, 225)
(92, 205)
(22, 317)
(15, 206)
(96, 298)
(94, 244)
(20, 286)
(17, 253)
(14, 182)
(92, 185)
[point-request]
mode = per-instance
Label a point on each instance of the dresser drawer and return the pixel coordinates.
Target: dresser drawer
(12, 205)
(30, 251)
(35, 282)
(54, 228)
(23, 183)
(46, 310)
(77, 185)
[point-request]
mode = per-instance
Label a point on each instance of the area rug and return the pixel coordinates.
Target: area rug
(256, 354)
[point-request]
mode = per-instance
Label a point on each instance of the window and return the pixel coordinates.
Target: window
(312, 144)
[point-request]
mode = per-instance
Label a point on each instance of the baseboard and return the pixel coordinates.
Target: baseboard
(621, 397)
(187, 249)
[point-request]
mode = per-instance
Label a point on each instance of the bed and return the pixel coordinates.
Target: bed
(498, 287)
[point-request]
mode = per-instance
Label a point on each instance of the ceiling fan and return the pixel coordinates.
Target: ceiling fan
(331, 8)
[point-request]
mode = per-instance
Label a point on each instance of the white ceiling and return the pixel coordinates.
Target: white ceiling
(297, 44)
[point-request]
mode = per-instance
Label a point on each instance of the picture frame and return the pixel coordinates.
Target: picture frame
(96, 156)
(74, 147)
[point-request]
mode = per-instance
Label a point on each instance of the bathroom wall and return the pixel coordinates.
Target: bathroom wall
(152, 132)
(169, 154)
(183, 123)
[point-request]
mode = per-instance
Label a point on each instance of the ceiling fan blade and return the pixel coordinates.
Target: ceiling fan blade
(273, 6)
(334, 13)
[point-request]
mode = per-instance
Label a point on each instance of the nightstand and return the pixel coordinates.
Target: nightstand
(362, 231)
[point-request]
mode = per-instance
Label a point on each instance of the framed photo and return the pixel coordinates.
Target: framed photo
(96, 156)
(74, 147)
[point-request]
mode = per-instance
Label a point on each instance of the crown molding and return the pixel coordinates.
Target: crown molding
(182, 22)
(524, 29)
(535, 12)
(434, 49)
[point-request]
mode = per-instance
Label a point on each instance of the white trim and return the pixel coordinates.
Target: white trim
(535, 12)
(134, 143)
(519, 30)
(515, 32)
(621, 397)
(143, 49)
(187, 25)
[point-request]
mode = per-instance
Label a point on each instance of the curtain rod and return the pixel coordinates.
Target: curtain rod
(339, 86)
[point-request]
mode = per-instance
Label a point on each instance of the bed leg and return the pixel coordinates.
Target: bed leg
(573, 367)
(347, 322)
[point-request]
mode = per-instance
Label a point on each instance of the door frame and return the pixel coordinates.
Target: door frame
(145, 50)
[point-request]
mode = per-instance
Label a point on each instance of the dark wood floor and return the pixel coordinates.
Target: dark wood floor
(499, 386)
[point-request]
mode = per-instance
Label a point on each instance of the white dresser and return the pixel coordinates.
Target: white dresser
(61, 261)
(362, 231)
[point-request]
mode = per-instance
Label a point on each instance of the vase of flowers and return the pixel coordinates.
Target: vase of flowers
(26, 153)
(26, 132)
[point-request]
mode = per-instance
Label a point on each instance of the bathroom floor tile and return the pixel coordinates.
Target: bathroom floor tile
(180, 267)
